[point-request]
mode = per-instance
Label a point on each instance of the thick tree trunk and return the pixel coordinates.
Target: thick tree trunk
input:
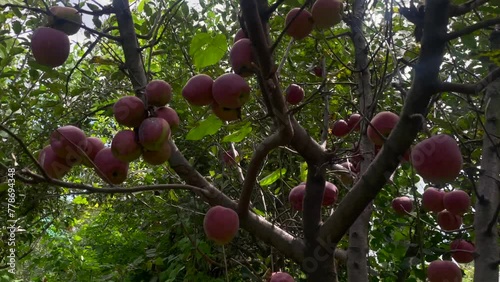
(357, 260)
(488, 189)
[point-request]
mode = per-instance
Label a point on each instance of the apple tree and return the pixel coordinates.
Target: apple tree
(321, 140)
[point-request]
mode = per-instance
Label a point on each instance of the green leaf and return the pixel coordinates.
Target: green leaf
(79, 200)
(273, 177)
(207, 49)
(209, 126)
(17, 27)
(239, 135)
(3, 186)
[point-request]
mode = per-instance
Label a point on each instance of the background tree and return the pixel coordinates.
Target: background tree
(435, 66)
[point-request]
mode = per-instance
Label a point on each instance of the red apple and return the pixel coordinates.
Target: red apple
(354, 122)
(457, 202)
(50, 46)
(402, 205)
(330, 194)
(318, 71)
(65, 19)
(109, 168)
(129, 111)
(241, 57)
(231, 91)
(327, 13)
(198, 90)
(170, 115)
(437, 159)
(125, 146)
(94, 145)
(444, 271)
(302, 24)
(294, 94)
(432, 199)
(382, 122)
(462, 251)
(340, 128)
(239, 35)
(281, 277)
(226, 114)
(229, 157)
(158, 93)
(448, 221)
(153, 132)
(55, 166)
(69, 142)
(296, 196)
(221, 224)
(158, 157)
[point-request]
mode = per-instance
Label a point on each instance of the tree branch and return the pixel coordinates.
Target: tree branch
(470, 89)
(459, 10)
(471, 28)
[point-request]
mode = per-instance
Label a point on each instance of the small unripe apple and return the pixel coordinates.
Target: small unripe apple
(129, 111)
(402, 205)
(354, 122)
(109, 168)
(241, 57)
(296, 197)
(456, 202)
(65, 19)
(281, 277)
(437, 159)
(432, 199)
(327, 13)
(170, 115)
(294, 94)
(198, 90)
(230, 91)
(448, 221)
(382, 122)
(221, 224)
(226, 114)
(50, 46)
(153, 132)
(158, 93)
(340, 128)
(125, 147)
(443, 271)
(462, 251)
(302, 24)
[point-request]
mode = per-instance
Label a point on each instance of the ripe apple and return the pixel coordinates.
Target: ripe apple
(354, 122)
(448, 221)
(226, 114)
(462, 251)
(241, 57)
(198, 90)
(50, 46)
(382, 122)
(340, 128)
(109, 168)
(55, 166)
(432, 199)
(94, 145)
(153, 132)
(296, 197)
(129, 111)
(281, 277)
(318, 71)
(456, 202)
(437, 159)
(65, 19)
(327, 13)
(239, 35)
(158, 157)
(294, 94)
(69, 142)
(444, 271)
(302, 24)
(230, 91)
(158, 93)
(170, 115)
(125, 146)
(402, 205)
(330, 194)
(229, 157)
(221, 224)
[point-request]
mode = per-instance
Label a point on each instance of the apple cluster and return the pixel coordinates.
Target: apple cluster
(449, 206)
(341, 128)
(50, 44)
(296, 195)
(324, 14)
